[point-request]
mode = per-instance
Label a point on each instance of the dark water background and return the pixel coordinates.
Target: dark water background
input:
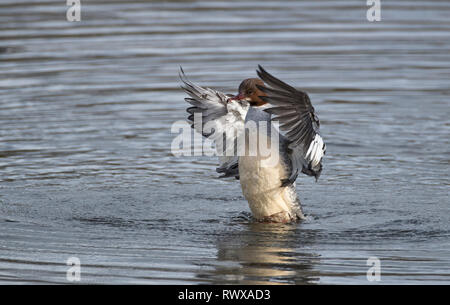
(86, 169)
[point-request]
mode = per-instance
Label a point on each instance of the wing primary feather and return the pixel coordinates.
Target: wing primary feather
(226, 119)
(298, 121)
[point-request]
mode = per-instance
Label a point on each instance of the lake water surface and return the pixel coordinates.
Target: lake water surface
(86, 168)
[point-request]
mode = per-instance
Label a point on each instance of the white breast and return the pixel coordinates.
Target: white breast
(260, 179)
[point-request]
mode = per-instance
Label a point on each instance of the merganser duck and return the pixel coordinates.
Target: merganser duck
(269, 188)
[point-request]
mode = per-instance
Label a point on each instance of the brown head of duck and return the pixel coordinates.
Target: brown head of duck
(249, 91)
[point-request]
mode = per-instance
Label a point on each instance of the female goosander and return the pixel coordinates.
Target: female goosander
(269, 187)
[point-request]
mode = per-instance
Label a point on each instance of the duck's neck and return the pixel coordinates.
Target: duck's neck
(257, 114)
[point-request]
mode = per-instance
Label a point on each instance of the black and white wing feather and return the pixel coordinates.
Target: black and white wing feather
(222, 121)
(299, 123)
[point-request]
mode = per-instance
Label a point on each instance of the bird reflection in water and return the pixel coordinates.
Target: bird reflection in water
(264, 253)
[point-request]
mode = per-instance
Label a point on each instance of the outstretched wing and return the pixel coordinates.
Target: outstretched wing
(299, 123)
(222, 121)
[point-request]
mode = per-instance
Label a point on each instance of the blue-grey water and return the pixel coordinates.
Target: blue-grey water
(85, 163)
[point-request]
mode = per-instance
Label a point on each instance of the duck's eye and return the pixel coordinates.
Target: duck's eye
(249, 92)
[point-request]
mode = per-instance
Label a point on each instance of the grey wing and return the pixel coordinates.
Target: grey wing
(218, 120)
(299, 123)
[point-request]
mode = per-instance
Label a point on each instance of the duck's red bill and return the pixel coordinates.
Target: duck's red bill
(238, 97)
